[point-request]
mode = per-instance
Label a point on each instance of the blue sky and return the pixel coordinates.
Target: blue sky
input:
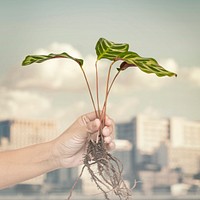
(166, 30)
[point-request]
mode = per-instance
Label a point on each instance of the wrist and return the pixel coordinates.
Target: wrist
(46, 158)
(53, 158)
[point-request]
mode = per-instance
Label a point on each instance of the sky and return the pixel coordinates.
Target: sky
(165, 30)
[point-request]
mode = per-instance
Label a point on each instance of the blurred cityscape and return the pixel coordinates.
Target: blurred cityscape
(161, 154)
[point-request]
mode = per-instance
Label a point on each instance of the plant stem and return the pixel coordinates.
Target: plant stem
(117, 74)
(113, 81)
(97, 88)
(103, 114)
(90, 92)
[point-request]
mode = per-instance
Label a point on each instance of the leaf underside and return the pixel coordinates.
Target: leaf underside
(30, 59)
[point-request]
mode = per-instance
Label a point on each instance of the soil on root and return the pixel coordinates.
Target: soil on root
(105, 170)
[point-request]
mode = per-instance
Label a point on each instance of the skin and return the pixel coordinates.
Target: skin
(63, 152)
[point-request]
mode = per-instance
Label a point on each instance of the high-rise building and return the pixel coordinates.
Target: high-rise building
(146, 134)
(151, 132)
(160, 143)
(184, 151)
(127, 131)
(185, 133)
(20, 133)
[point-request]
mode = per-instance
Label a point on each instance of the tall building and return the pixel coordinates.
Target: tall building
(185, 133)
(151, 132)
(145, 133)
(127, 131)
(170, 146)
(184, 151)
(20, 133)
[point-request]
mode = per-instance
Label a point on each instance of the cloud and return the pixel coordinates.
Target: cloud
(21, 96)
(134, 78)
(62, 74)
(56, 74)
(169, 64)
(193, 75)
(65, 74)
(190, 75)
(21, 104)
(66, 115)
(151, 111)
(122, 109)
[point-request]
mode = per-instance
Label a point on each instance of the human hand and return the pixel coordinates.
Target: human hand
(70, 147)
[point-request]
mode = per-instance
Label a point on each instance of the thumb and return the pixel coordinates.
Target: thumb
(93, 126)
(88, 125)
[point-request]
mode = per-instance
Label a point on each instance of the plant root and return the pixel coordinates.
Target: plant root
(105, 171)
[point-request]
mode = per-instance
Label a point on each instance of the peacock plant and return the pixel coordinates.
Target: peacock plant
(109, 169)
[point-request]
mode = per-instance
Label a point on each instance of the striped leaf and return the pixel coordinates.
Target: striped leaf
(147, 65)
(41, 58)
(109, 50)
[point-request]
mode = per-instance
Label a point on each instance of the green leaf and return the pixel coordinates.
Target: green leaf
(41, 58)
(109, 50)
(147, 65)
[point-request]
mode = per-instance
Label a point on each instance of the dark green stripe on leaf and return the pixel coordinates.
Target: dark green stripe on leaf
(147, 65)
(30, 59)
(109, 50)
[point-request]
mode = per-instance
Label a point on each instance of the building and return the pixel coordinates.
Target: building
(158, 181)
(61, 180)
(184, 151)
(146, 134)
(162, 147)
(185, 133)
(127, 131)
(20, 133)
(150, 134)
(123, 154)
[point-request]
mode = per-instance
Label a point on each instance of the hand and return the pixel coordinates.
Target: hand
(70, 147)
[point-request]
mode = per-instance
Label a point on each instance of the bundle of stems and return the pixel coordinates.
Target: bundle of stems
(108, 173)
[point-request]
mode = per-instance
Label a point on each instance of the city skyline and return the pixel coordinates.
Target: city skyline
(165, 154)
(167, 31)
(149, 147)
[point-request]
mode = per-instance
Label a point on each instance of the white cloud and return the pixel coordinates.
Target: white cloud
(65, 74)
(66, 116)
(193, 75)
(169, 64)
(134, 78)
(21, 104)
(59, 48)
(151, 111)
(122, 109)
(56, 74)
(21, 97)
(187, 74)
